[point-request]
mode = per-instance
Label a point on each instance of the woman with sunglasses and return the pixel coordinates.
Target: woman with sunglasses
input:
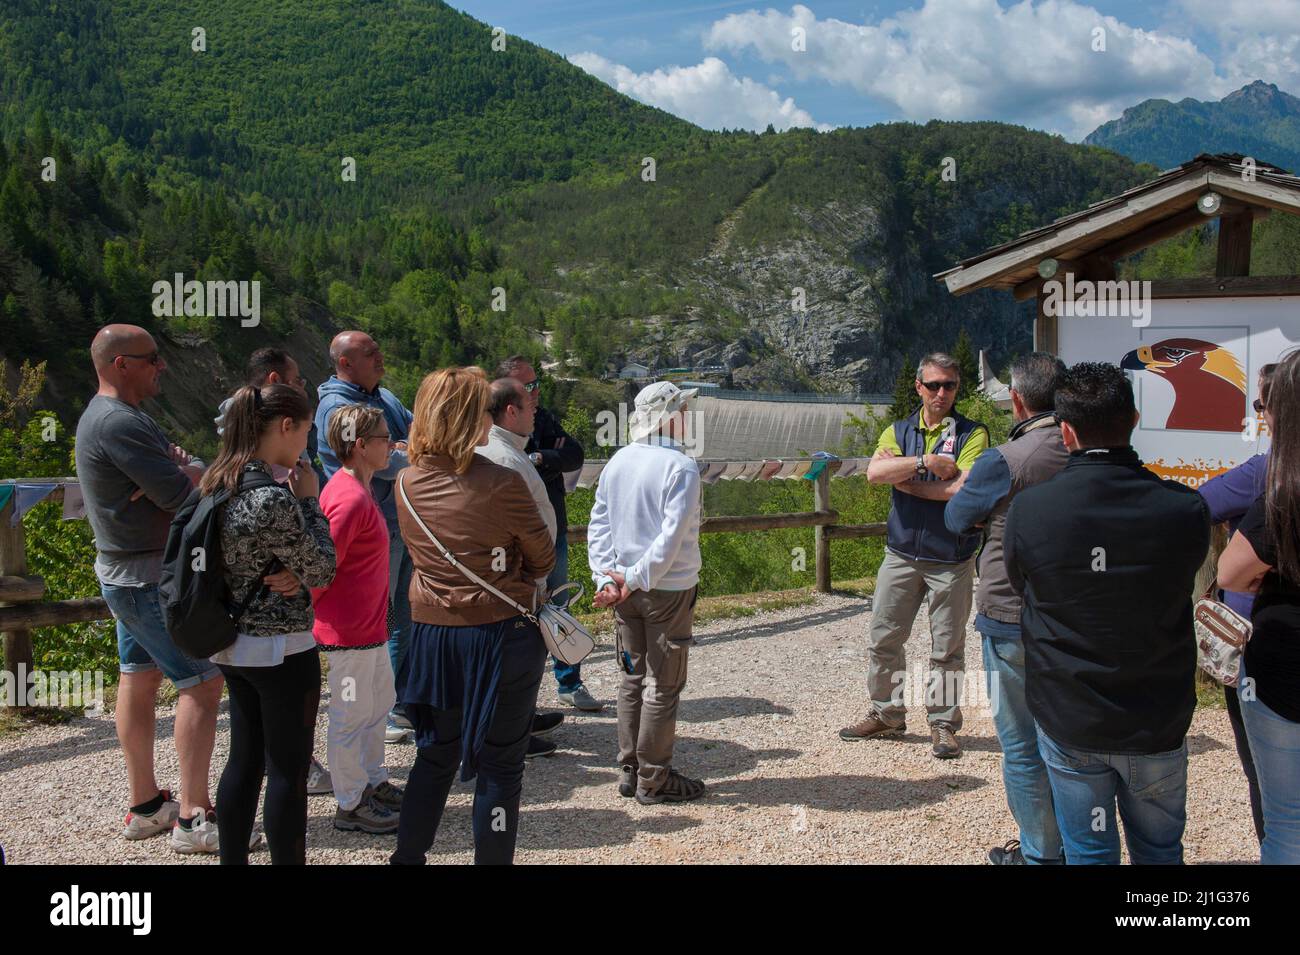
(1229, 496)
(1263, 557)
(351, 625)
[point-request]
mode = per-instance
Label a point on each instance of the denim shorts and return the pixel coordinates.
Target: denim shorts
(143, 643)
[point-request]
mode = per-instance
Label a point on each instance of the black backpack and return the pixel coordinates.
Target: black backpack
(196, 601)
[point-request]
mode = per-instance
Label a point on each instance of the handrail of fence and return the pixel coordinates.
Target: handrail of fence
(23, 609)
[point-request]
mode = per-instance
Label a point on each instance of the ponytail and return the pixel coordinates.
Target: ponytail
(248, 416)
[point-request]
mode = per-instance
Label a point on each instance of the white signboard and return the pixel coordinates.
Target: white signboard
(1195, 368)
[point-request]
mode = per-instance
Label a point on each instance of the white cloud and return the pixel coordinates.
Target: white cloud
(1258, 39)
(974, 59)
(708, 94)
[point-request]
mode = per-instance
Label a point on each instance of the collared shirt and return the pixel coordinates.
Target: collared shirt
(974, 446)
(507, 449)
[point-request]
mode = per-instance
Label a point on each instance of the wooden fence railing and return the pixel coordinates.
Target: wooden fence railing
(22, 608)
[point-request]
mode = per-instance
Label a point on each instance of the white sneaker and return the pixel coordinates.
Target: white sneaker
(319, 782)
(200, 837)
(139, 826)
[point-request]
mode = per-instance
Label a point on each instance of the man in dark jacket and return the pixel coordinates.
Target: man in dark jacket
(1105, 556)
(1032, 454)
(554, 452)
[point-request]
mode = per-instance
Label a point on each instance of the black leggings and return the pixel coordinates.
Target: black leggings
(272, 726)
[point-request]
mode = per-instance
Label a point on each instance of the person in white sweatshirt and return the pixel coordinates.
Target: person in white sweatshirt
(643, 546)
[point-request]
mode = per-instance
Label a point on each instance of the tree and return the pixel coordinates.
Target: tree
(905, 400)
(968, 364)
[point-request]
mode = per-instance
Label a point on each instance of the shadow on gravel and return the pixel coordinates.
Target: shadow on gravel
(551, 828)
(95, 736)
(739, 631)
(1203, 744)
(841, 793)
(710, 708)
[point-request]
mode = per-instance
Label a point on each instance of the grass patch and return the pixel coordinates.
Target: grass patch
(723, 607)
(14, 720)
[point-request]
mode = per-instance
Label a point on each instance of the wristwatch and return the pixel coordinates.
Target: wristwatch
(921, 469)
(536, 458)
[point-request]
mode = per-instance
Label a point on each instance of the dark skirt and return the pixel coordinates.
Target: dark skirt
(455, 668)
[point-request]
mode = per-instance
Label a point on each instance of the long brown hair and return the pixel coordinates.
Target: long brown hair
(248, 416)
(1282, 491)
(448, 415)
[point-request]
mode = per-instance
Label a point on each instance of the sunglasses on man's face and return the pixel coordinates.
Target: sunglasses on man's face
(934, 386)
(531, 386)
(151, 357)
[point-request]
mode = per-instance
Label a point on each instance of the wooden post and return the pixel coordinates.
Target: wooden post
(1044, 328)
(822, 543)
(13, 562)
(1234, 245)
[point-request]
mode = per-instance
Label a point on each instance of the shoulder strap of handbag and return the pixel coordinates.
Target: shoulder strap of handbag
(401, 490)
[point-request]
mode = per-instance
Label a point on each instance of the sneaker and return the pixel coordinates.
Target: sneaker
(140, 826)
(943, 742)
(369, 816)
(1009, 854)
(677, 788)
(582, 700)
(873, 727)
(386, 794)
(539, 747)
(318, 780)
(394, 732)
(201, 836)
(398, 716)
(627, 782)
(544, 723)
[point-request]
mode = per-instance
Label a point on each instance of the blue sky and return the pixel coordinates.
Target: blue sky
(1037, 62)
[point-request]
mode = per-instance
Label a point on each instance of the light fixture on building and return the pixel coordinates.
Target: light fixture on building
(1209, 203)
(1048, 268)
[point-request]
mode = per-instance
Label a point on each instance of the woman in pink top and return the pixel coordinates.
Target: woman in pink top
(351, 626)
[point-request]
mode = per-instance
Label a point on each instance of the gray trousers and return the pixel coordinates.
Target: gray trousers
(901, 586)
(654, 630)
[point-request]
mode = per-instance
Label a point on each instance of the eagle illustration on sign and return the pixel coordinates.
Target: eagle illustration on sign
(1208, 380)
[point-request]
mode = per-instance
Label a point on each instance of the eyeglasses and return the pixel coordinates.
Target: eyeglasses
(382, 435)
(152, 357)
(531, 386)
(933, 386)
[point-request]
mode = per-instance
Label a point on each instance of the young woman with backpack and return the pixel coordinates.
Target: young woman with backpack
(272, 669)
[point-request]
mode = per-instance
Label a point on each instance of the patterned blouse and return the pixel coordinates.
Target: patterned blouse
(266, 523)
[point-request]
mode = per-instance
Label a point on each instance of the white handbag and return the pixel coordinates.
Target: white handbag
(566, 638)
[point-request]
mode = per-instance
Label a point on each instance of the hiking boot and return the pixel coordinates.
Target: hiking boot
(676, 788)
(580, 699)
(141, 826)
(943, 742)
(386, 794)
(1009, 854)
(544, 723)
(539, 747)
(200, 836)
(873, 727)
(627, 782)
(369, 816)
(318, 780)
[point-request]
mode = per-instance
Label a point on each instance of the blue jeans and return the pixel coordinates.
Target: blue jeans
(568, 677)
(1029, 795)
(143, 642)
(1275, 746)
(400, 569)
(1151, 790)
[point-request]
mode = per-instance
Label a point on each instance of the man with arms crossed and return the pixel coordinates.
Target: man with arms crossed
(925, 456)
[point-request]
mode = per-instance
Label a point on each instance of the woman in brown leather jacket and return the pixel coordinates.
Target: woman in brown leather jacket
(469, 680)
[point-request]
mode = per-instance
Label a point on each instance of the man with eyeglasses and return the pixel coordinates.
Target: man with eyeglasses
(554, 453)
(358, 369)
(133, 480)
(275, 366)
(925, 457)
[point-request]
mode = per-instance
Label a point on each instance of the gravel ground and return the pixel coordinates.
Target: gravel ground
(758, 722)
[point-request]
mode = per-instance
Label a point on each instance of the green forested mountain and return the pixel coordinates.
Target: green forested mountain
(476, 170)
(1257, 120)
